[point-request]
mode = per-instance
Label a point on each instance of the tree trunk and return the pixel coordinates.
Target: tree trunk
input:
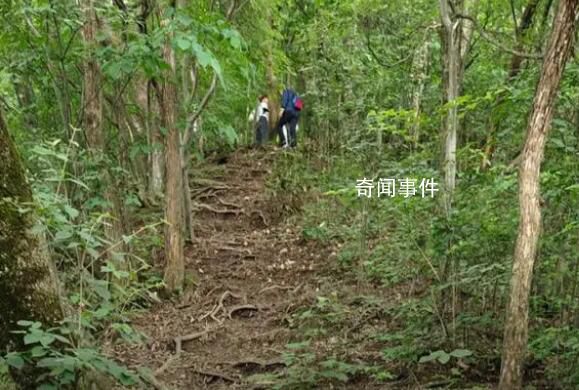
(273, 90)
(93, 126)
(145, 92)
(157, 179)
(92, 102)
(28, 280)
(175, 263)
(516, 326)
(420, 71)
(26, 101)
(452, 34)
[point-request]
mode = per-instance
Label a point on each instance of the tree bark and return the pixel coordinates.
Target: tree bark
(516, 326)
(28, 281)
(174, 256)
(157, 178)
(146, 90)
(452, 35)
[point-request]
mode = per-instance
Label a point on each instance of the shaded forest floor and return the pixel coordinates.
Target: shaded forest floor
(256, 289)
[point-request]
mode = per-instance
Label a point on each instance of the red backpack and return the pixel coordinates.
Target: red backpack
(298, 103)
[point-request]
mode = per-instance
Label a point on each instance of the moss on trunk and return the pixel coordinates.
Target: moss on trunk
(28, 283)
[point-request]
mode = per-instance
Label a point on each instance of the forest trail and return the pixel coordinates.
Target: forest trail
(251, 270)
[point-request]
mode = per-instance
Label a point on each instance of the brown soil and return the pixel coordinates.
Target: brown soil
(251, 270)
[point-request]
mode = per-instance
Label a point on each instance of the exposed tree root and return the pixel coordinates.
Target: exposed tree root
(229, 204)
(204, 206)
(192, 336)
(260, 214)
(213, 374)
(240, 308)
(274, 287)
(256, 362)
(219, 307)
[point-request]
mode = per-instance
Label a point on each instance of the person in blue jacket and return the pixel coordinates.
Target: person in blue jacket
(291, 106)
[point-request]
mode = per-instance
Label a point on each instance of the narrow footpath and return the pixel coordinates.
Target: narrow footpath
(247, 271)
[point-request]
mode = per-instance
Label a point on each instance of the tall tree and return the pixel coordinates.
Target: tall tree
(177, 192)
(455, 39)
(28, 280)
(175, 266)
(516, 327)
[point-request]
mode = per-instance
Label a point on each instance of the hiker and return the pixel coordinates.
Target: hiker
(291, 105)
(260, 118)
(285, 132)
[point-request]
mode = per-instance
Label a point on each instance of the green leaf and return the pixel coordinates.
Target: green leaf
(47, 386)
(460, 353)
(14, 359)
(183, 43)
(72, 212)
(32, 338)
(558, 142)
(38, 351)
(203, 56)
(230, 135)
(440, 355)
(444, 358)
(427, 358)
(62, 235)
(336, 375)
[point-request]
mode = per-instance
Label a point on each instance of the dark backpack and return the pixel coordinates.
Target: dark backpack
(298, 103)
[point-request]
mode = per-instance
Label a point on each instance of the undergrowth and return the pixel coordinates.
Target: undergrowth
(104, 282)
(438, 283)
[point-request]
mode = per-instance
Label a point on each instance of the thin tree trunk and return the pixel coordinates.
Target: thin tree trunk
(28, 281)
(157, 178)
(155, 138)
(419, 76)
(175, 262)
(26, 101)
(516, 326)
(452, 33)
(155, 142)
(95, 136)
(189, 82)
(273, 91)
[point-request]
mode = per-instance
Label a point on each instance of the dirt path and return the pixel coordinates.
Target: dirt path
(251, 271)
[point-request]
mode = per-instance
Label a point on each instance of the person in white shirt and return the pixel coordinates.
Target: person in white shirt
(260, 118)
